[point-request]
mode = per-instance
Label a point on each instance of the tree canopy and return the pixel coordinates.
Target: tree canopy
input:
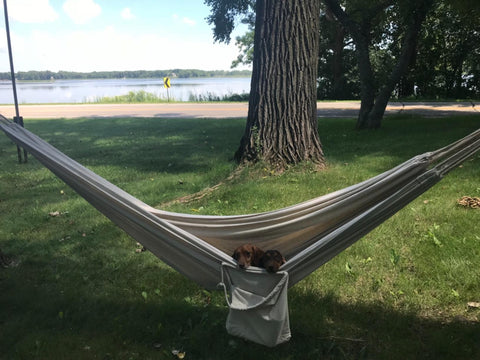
(444, 64)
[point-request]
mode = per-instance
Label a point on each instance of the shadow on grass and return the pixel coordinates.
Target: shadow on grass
(98, 319)
(193, 145)
(171, 145)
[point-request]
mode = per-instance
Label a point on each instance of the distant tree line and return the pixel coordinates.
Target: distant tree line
(136, 74)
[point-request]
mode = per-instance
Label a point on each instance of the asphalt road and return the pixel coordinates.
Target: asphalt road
(222, 110)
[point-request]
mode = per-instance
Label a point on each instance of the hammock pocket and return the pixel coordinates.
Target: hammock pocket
(258, 305)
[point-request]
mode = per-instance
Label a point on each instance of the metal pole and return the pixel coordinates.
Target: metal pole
(18, 119)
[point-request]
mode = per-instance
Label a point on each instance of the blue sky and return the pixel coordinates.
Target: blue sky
(89, 35)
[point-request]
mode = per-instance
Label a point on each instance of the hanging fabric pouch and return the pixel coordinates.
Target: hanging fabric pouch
(258, 304)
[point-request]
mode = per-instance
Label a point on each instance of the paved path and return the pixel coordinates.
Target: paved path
(221, 110)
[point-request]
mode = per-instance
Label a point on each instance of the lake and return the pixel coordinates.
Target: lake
(80, 91)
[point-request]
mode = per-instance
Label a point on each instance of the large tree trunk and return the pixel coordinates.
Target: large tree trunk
(282, 124)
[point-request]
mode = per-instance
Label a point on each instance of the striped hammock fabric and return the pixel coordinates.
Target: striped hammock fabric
(308, 234)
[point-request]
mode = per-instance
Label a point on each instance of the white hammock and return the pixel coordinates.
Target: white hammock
(308, 234)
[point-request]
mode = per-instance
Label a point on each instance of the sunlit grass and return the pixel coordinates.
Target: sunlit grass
(140, 96)
(81, 291)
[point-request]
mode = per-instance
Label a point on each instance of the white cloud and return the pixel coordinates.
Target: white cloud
(127, 14)
(188, 21)
(31, 11)
(81, 11)
(114, 49)
(184, 20)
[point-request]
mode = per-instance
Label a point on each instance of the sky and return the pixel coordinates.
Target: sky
(103, 35)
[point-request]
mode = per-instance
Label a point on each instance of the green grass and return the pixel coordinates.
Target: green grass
(212, 97)
(80, 291)
(140, 96)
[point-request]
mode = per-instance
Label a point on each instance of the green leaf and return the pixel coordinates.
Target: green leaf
(348, 268)
(394, 257)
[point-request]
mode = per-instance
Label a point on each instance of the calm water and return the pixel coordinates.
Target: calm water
(78, 91)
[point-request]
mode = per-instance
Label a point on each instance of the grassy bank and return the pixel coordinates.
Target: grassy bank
(80, 290)
(142, 96)
(133, 97)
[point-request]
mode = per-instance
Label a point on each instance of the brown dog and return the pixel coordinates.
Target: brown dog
(248, 255)
(272, 260)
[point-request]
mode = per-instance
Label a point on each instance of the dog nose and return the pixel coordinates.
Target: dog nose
(242, 266)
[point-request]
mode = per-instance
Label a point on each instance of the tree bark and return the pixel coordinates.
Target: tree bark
(282, 124)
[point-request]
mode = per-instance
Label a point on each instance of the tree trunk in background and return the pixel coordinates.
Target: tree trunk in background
(338, 73)
(374, 100)
(282, 124)
(373, 119)
(367, 80)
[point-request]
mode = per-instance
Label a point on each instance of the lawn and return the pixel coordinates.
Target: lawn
(79, 289)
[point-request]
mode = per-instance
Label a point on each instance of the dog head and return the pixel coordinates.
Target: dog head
(247, 255)
(272, 260)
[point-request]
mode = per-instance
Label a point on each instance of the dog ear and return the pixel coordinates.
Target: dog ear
(235, 255)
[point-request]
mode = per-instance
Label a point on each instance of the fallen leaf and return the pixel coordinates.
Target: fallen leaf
(179, 354)
(469, 201)
(474, 304)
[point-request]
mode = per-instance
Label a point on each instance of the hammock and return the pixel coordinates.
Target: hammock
(308, 234)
